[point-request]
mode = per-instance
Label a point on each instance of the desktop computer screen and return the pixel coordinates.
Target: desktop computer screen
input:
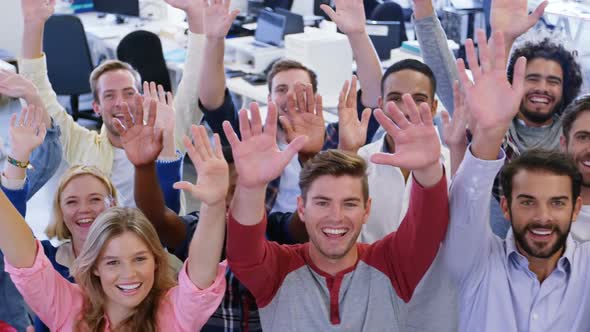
(294, 21)
(270, 28)
(119, 7)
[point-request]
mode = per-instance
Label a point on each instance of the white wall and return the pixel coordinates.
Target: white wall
(11, 25)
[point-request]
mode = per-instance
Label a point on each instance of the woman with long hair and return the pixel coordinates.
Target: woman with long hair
(122, 284)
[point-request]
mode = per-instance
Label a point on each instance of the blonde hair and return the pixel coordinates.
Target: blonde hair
(114, 222)
(57, 227)
(112, 65)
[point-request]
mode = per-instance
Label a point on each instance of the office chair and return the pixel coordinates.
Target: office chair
(69, 63)
(390, 11)
(143, 50)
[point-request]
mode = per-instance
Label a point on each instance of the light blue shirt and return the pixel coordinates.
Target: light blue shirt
(497, 291)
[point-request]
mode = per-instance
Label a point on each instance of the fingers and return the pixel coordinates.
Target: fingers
(343, 95)
(151, 121)
(13, 120)
(309, 98)
(138, 111)
(218, 146)
(162, 95)
(319, 106)
(329, 11)
(127, 116)
(244, 124)
(300, 94)
(230, 133)
(499, 49)
(365, 118)
(352, 94)
(270, 126)
(536, 15)
(169, 99)
(411, 108)
(119, 127)
(397, 115)
(287, 126)
(383, 158)
(518, 76)
(386, 123)
(457, 97)
(462, 71)
(446, 118)
(472, 58)
(485, 57)
(425, 115)
(184, 186)
(256, 120)
(291, 104)
(292, 149)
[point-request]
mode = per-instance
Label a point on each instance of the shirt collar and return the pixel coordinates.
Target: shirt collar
(564, 262)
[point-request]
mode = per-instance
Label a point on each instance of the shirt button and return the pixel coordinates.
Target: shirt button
(535, 316)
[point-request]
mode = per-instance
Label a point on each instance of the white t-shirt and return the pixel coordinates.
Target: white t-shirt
(581, 227)
(123, 178)
(289, 186)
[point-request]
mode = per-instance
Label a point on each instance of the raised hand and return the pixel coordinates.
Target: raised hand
(212, 170)
(142, 142)
(417, 147)
(257, 157)
(349, 15)
(26, 133)
(352, 132)
(512, 17)
(194, 10)
(305, 117)
(165, 117)
(454, 130)
(37, 11)
(217, 19)
(16, 86)
(492, 101)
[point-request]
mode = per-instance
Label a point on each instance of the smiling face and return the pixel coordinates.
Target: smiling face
(283, 83)
(578, 145)
(82, 199)
(408, 81)
(126, 269)
(113, 88)
(541, 212)
(543, 91)
(334, 212)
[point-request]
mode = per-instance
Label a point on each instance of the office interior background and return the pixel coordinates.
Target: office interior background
(264, 32)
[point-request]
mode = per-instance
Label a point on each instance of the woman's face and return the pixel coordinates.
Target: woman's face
(126, 268)
(81, 201)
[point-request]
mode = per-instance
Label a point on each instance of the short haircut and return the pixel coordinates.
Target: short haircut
(112, 65)
(548, 50)
(572, 112)
(284, 65)
(335, 163)
(409, 64)
(554, 162)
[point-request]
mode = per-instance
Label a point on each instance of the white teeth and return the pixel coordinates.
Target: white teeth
(541, 231)
(334, 231)
(586, 163)
(129, 286)
(539, 100)
(85, 221)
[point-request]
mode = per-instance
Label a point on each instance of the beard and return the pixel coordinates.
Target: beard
(537, 117)
(536, 251)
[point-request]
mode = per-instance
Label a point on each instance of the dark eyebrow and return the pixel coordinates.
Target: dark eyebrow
(560, 198)
(582, 132)
(143, 252)
(525, 196)
(420, 94)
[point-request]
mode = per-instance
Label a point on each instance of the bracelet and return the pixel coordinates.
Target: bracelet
(18, 163)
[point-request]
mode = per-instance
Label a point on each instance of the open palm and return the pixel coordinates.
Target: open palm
(349, 15)
(27, 132)
(142, 142)
(212, 169)
(512, 16)
(416, 142)
(305, 117)
(352, 132)
(492, 101)
(257, 157)
(218, 19)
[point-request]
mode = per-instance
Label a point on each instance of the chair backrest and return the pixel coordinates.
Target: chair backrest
(143, 50)
(390, 11)
(69, 63)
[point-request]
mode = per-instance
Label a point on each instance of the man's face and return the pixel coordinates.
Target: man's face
(541, 212)
(578, 145)
(284, 83)
(408, 81)
(543, 91)
(113, 88)
(334, 212)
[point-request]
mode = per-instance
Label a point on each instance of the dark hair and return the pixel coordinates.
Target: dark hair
(572, 112)
(284, 65)
(548, 50)
(541, 160)
(409, 64)
(335, 163)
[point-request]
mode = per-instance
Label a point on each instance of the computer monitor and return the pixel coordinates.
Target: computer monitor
(119, 7)
(270, 28)
(385, 35)
(294, 21)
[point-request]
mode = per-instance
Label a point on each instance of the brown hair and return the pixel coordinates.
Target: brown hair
(114, 222)
(57, 227)
(112, 65)
(335, 163)
(284, 65)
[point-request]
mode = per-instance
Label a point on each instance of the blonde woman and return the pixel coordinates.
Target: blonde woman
(121, 283)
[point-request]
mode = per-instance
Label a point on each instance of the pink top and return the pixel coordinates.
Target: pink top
(58, 302)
